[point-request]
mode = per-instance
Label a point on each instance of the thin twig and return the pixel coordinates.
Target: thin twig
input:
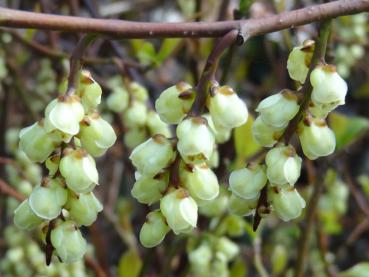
(129, 29)
(257, 258)
(5, 188)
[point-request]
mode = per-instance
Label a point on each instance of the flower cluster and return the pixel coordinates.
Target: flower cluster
(66, 140)
(139, 121)
(282, 164)
(212, 255)
(177, 172)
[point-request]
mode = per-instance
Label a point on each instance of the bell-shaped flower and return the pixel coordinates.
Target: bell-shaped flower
(69, 244)
(47, 200)
(316, 138)
(226, 108)
(89, 91)
(264, 134)
(299, 61)
(157, 126)
(195, 140)
(328, 86)
(154, 229)
(138, 91)
(25, 218)
(64, 114)
(36, 143)
(96, 135)
(134, 137)
(247, 182)
(200, 180)
(83, 208)
(180, 210)
(217, 206)
(227, 247)
(283, 165)
(153, 155)
(148, 190)
(52, 164)
(286, 201)
(321, 110)
(277, 110)
(135, 115)
(241, 206)
(118, 100)
(79, 170)
(221, 134)
(200, 258)
(174, 103)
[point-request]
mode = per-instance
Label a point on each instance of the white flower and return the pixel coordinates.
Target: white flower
(299, 60)
(287, 202)
(195, 140)
(153, 155)
(241, 206)
(328, 86)
(226, 108)
(64, 114)
(89, 91)
(25, 218)
(277, 110)
(283, 165)
(154, 229)
(148, 190)
(135, 115)
(174, 103)
(180, 210)
(264, 134)
(118, 100)
(316, 138)
(247, 182)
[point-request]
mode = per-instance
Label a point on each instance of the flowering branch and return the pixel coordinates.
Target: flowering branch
(130, 29)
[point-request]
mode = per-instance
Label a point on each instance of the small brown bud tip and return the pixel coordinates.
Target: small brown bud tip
(86, 77)
(329, 68)
(41, 122)
(80, 153)
(308, 46)
(289, 95)
(252, 165)
(45, 181)
(290, 151)
(159, 138)
(320, 122)
(199, 120)
(225, 90)
(188, 167)
(182, 86)
(307, 121)
(86, 121)
(187, 94)
(182, 193)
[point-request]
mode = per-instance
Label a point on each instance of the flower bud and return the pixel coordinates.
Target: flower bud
(36, 143)
(153, 231)
(135, 115)
(221, 134)
(83, 208)
(316, 139)
(299, 60)
(156, 126)
(138, 91)
(79, 170)
(200, 257)
(227, 247)
(264, 134)
(321, 110)
(283, 165)
(148, 190)
(328, 86)
(241, 206)
(287, 202)
(134, 137)
(247, 182)
(195, 140)
(226, 108)
(200, 180)
(180, 210)
(277, 110)
(118, 100)
(47, 200)
(89, 91)
(217, 206)
(25, 218)
(174, 103)
(68, 242)
(96, 135)
(64, 114)
(153, 155)
(52, 164)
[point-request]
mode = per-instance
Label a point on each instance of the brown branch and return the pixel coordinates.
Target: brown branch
(5, 188)
(130, 29)
(95, 266)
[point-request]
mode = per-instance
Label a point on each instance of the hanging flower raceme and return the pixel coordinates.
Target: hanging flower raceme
(66, 139)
